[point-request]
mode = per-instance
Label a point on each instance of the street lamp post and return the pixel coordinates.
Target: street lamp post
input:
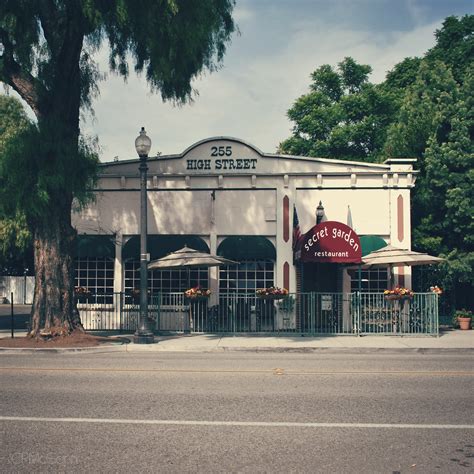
(143, 334)
(319, 213)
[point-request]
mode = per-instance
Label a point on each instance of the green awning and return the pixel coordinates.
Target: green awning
(249, 247)
(95, 246)
(370, 243)
(159, 246)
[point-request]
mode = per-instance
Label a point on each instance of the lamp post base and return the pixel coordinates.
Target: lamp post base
(143, 338)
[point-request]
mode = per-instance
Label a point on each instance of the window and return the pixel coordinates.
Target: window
(246, 277)
(96, 274)
(165, 281)
(374, 280)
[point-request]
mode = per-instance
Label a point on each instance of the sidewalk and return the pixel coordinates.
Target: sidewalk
(448, 341)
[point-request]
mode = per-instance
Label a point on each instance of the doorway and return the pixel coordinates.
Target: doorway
(322, 296)
(320, 278)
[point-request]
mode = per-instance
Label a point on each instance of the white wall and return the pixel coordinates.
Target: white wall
(370, 208)
(237, 212)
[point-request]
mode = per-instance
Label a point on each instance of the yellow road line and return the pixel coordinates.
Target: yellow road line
(276, 371)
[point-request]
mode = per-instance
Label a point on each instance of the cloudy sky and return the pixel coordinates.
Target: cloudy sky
(265, 69)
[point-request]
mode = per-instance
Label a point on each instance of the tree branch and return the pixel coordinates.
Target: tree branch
(51, 22)
(21, 81)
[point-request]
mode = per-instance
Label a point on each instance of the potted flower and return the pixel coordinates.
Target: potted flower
(197, 293)
(398, 293)
(272, 293)
(463, 318)
(436, 290)
(82, 294)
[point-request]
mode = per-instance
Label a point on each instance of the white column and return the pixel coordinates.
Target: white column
(400, 229)
(118, 268)
(213, 281)
(346, 290)
(284, 251)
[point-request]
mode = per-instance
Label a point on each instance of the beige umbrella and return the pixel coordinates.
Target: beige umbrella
(188, 258)
(390, 255)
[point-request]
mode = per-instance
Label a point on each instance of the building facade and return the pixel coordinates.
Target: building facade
(224, 196)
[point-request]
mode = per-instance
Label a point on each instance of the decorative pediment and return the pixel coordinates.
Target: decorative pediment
(232, 156)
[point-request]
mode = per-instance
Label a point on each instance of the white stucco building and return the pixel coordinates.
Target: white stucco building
(225, 196)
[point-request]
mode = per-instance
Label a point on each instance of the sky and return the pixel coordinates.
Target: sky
(266, 68)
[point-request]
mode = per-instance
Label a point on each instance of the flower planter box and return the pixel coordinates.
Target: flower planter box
(398, 297)
(196, 298)
(272, 297)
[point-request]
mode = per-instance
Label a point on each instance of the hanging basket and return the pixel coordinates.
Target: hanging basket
(398, 297)
(196, 298)
(272, 297)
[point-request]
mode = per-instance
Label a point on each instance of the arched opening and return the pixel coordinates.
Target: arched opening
(255, 257)
(371, 280)
(94, 264)
(163, 281)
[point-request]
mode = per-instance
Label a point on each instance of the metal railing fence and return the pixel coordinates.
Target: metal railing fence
(298, 313)
(117, 312)
(379, 315)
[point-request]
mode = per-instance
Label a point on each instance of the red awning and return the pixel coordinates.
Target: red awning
(329, 241)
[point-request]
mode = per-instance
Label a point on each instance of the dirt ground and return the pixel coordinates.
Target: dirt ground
(76, 339)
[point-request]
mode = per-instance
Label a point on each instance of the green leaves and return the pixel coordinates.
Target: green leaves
(424, 109)
(344, 116)
(436, 124)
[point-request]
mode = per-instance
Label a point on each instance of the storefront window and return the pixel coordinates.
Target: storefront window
(165, 281)
(374, 280)
(246, 277)
(96, 274)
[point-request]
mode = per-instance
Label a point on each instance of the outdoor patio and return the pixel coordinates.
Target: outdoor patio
(303, 314)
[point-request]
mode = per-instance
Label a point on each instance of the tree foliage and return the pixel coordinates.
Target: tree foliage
(424, 109)
(15, 237)
(435, 123)
(455, 45)
(46, 56)
(343, 116)
(47, 59)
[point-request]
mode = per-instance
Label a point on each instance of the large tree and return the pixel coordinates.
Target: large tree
(435, 124)
(424, 110)
(343, 116)
(46, 57)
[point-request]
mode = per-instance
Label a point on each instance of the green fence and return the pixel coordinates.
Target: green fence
(297, 313)
(378, 315)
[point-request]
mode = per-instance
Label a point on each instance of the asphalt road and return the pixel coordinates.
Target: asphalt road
(237, 412)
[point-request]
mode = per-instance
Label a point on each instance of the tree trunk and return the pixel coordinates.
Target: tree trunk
(55, 97)
(54, 309)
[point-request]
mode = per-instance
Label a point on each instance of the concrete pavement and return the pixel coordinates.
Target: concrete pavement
(448, 340)
(454, 340)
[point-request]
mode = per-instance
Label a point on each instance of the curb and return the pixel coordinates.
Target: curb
(62, 350)
(295, 350)
(351, 350)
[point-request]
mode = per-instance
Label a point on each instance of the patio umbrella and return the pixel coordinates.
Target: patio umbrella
(390, 255)
(188, 258)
